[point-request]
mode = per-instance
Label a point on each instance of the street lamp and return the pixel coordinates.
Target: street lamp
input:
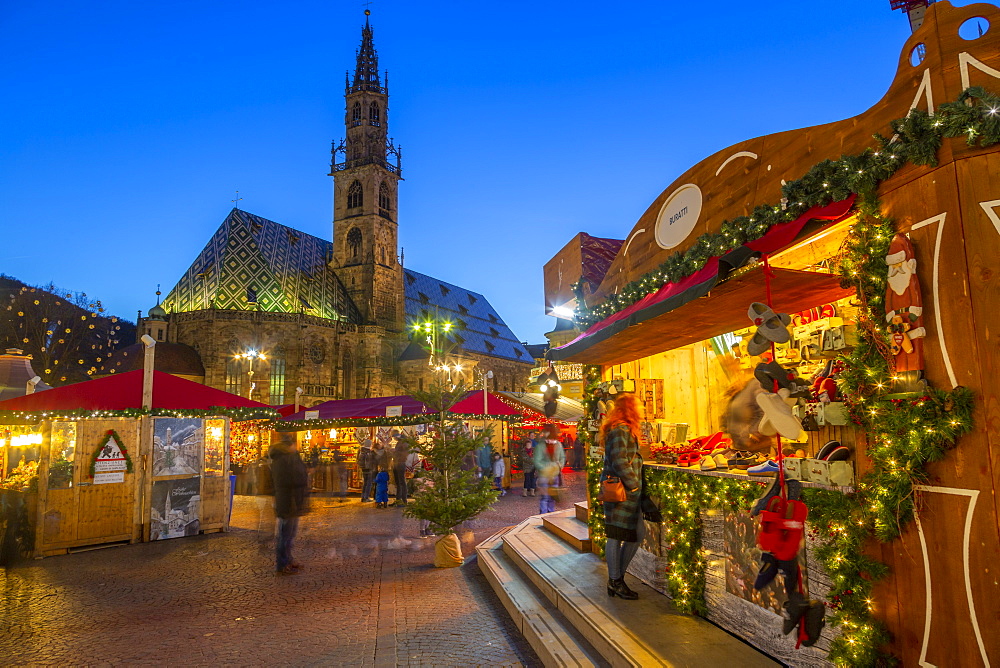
(250, 356)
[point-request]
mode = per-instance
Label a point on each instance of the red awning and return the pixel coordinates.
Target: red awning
(672, 296)
(124, 391)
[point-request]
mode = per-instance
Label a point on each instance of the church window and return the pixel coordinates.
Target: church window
(383, 197)
(489, 346)
(472, 299)
(251, 296)
(355, 195)
(234, 376)
(356, 114)
(159, 334)
(373, 115)
(493, 318)
(494, 332)
(277, 385)
(424, 299)
(444, 290)
(316, 352)
(347, 366)
(463, 310)
(354, 243)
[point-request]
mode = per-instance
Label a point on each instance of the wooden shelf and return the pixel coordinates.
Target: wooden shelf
(742, 475)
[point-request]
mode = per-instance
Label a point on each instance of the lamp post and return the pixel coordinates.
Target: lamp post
(250, 356)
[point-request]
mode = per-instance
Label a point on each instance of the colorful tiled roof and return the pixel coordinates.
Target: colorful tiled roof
(254, 263)
(479, 328)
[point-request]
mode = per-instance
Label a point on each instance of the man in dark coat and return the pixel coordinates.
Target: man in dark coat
(288, 472)
(399, 468)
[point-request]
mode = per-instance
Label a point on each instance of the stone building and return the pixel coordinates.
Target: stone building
(340, 319)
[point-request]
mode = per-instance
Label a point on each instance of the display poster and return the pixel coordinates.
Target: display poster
(175, 508)
(393, 411)
(311, 415)
(215, 448)
(110, 463)
(177, 446)
(743, 564)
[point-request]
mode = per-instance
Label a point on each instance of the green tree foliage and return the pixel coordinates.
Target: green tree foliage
(447, 495)
(66, 333)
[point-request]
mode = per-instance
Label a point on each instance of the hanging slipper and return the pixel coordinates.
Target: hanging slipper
(812, 623)
(770, 373)
(795, 607)
(768, 570)
(772, 326)
(758, 345)
(778, 416)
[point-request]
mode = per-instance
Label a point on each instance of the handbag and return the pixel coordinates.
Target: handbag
(612, 490)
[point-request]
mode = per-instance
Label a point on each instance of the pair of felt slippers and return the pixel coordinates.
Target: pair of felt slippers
(834, 451)
(771, 328)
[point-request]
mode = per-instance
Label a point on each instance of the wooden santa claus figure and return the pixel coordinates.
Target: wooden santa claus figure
(904, 308)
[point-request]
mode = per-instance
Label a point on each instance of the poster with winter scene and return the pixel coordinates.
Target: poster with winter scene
(175, 508)
(177, 446)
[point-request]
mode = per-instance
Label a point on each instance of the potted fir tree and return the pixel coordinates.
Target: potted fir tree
(446, 493)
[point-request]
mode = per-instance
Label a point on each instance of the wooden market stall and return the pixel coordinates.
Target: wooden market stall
(884, 252)
(110, 471)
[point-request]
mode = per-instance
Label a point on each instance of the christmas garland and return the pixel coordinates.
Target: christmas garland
(400, 421)
(236, 414)
(121, 446)
(905, 434)
(916, 138)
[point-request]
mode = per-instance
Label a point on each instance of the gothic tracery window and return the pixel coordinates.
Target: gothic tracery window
(373, 114)
(356, 114)
(355, 195)
(383, 197)
(354, 243)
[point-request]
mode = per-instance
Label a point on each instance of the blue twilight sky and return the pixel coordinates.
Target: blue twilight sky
(126, 127)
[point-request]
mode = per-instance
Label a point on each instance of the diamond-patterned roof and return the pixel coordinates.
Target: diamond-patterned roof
(479, 328)
(251, 262)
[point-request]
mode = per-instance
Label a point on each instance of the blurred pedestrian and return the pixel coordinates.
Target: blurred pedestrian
(549, 461)
(484, 458)
(288, 472)
(399, 469)
(366, 462)
(528, 466)
(382, 489)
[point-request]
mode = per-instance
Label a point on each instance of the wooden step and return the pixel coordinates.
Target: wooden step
(556, 642)
(565, 525)
(582, 511)
(645, 632)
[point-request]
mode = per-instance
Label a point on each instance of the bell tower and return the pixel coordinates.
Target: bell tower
(365, 187)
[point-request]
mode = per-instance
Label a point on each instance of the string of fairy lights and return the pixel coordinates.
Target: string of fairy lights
(904, 434)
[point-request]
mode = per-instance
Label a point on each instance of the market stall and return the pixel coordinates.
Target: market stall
(805, 316)
(100, 468)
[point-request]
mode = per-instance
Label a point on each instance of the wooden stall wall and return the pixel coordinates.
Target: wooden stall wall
(943, 597)
(87, 514)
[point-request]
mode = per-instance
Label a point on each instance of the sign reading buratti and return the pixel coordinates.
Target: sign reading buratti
(678, 216)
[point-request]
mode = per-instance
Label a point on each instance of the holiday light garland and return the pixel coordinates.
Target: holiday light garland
(905, 433)
(236, 414)
(916, 138)
(400, 421)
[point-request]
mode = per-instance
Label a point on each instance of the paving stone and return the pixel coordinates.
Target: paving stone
(368, 596)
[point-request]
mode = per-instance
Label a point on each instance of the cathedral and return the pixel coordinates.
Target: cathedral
(265, 309)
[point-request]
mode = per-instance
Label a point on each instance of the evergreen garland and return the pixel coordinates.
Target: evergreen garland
(916, 138)
(121, 446)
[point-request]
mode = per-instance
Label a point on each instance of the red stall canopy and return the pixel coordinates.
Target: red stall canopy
(124, 391)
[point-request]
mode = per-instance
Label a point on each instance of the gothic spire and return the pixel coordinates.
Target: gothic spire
(366, 72)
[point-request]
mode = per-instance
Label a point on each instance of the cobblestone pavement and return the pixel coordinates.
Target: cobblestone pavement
(368, 596)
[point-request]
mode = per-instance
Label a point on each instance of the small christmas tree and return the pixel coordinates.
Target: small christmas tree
(448, 495)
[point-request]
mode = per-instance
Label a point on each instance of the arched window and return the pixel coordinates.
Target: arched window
(373, 114)
(277, 384)
(354, 243)
(235, 374)
(355, 195)
(347, 366)
(356, 114)
(383, 197)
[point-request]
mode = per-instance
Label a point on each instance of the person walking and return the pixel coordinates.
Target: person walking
(366, 462)
(528, 467)
(288, 472)
(499, 468)
(399, 469)
(484, 458)
(549, 461)
(623, 520)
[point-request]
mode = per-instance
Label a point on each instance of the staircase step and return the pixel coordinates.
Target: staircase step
(566, 525)
(555, 641)
(582, 511)
(645, 632)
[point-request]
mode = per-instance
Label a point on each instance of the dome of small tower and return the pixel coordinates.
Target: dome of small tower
(158, 313)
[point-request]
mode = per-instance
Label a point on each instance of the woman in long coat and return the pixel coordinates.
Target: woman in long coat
(623, 520)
